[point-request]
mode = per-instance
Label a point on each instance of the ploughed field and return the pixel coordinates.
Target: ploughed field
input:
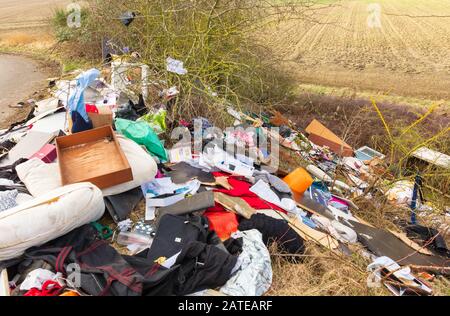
(16, 14)
(408, 54)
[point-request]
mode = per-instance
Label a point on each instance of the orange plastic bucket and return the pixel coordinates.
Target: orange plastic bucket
(299, 181)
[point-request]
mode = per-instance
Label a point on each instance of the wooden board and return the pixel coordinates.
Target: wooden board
(93, 156)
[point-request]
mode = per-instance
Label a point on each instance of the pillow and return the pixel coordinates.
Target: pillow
(39, 177)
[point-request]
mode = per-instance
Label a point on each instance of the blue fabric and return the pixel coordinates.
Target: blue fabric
(76, 99)
(319, 192)
(417, 185)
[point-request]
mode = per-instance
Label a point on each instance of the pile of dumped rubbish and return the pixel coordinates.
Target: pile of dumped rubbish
(93, 203)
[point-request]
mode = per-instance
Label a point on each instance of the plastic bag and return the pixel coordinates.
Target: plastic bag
(143, 134)
(76, 99)
(156, 120)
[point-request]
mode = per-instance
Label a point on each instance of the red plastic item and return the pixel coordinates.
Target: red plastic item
(223, 223)
(91, 108)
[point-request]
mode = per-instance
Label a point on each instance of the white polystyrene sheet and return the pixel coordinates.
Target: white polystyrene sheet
(51, 124)
(433, 157)
(46, 105)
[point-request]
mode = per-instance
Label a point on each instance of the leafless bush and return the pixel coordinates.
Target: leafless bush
(217, 40)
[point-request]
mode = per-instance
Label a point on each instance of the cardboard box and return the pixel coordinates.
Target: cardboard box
(104, 117)
(47, 154)
(322, 136)
(93, 156)
(337, 148)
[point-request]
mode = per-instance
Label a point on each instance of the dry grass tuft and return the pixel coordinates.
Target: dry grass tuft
(322, 274)
(18, 38)
(30, 39)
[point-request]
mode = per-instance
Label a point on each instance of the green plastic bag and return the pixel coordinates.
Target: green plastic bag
(156, 120)
(143, 134)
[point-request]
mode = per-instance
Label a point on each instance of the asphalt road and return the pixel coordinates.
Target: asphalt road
(19, 78)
